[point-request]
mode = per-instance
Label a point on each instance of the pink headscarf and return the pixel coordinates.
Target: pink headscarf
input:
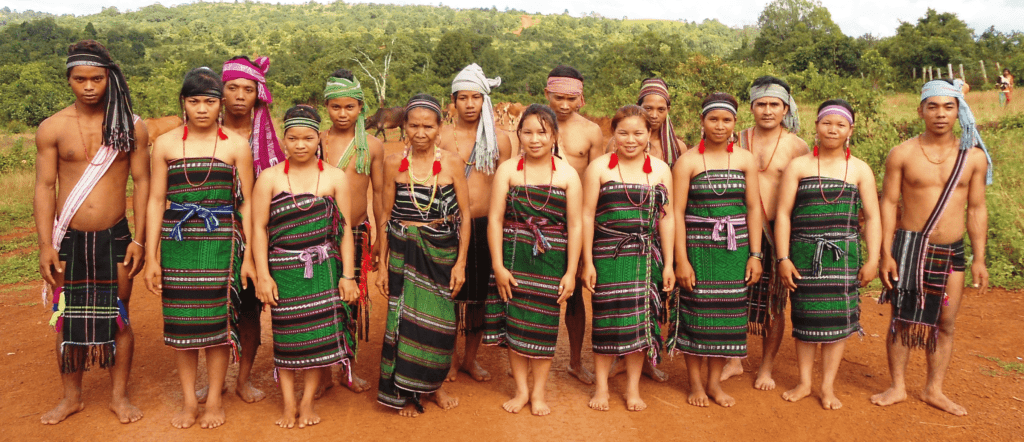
(566, 86)
(266, 149)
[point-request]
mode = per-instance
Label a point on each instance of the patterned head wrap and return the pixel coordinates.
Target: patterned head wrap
(485, 152)
(792, 119)
(118, 120)
(266, 149)
(718, 105)
(969, 136)
(567, 86)
(669, 143)
(345, 88)
(423, 104)
(835, 109)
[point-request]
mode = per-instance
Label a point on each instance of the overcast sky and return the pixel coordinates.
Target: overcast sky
(856, 17)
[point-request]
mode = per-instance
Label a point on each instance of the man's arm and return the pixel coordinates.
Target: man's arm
(44, 203)
(977, 221)
(139, 163)
(597, 145)
(887, 208)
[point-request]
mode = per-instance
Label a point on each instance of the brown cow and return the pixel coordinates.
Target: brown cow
(449, 115)
(387, 118)
(515, 112)
(160, 126)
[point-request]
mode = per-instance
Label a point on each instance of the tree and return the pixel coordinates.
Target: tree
(796, 33)
(936, 40)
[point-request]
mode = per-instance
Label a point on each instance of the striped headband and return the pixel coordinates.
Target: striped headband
(87, 60)
(567, 86)
(425, 104)
(301, 122)
(343, 88)
(723, 105)
(835, 109)
(654, 87)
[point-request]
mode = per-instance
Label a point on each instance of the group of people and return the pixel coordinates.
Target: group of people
(682, 250)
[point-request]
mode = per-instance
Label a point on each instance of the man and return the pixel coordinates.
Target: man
(489, 147)
(580, 141)
(655, 100)
(87, 256)
(774, 143)
(923, 263)
(347, 146)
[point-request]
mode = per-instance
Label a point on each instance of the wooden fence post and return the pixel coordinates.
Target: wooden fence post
(983, 73)
(938, 72)
(962, 73)
(913, 72)
(950, 66)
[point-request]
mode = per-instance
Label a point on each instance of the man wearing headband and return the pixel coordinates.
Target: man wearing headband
(87, 256)
(360, 156)
(937, 176)
(482, 147)
(579, 141)
(774, 143)
(654, 98)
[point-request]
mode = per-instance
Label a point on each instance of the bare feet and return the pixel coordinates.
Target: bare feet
(829, 401)
(65, 408)
(213, 417)
(287, 419)
(698, 397)
(475, 371)
(599, 401)
(358, 385)
(538, 407)
(721, 398)
(409, 411)
(889, 397)
(321, 389)
(633, 401)
(653, 372)
(516, 403)
(731, 369)
(307, 417)
(799, 392)
(764, 381)
(940, 401)
(125, 411)
(185, 417)
(250, 394)
(582, 374)
(202, 393)
(453, 371)
(444, 400)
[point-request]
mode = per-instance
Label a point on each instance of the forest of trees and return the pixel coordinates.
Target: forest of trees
(427, 45)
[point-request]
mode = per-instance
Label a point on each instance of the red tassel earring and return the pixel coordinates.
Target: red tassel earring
(221, 134)
(437, 167)
(552, 163)
(320, 164)
(184, 133)
(647, 164)
(847, 153)
(404, 165)
(700, 147)
(815, 150)
(614, 161)
(286, 167)
(521, 162)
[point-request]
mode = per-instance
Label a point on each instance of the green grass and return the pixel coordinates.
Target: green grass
(19, 243)
(18, 188)
(1008, 368)
(20, 268)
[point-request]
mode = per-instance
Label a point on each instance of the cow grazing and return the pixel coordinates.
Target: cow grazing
(387, 118)
(160, 126)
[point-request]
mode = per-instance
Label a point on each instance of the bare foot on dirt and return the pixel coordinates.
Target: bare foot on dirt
(599, 401)
(409, 411)
(358, 385)
(213, 417)
(516, 403)
(889, 397)
(731, 369)
(125, 411)
(185, 417)
(633, 401)
(538, 407)
(653, 372)
(764, 381)
(721, 398)
(307, 417)
(444, 400)
(203, 393)
(581, 373)
(940, 401)
(321, 389)
(249, 394)
(474, 370)
(799, 392)
(287, 419)
(698, 397)
(829, 401)
(65, 408)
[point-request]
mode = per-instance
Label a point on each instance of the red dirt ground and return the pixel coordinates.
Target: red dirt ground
(989, 327)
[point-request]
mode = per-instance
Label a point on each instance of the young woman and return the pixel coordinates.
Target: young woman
(717, 206)
(816, 229)
(627, 252)
(300, 233)
(423, 239)
(206, 174)
(535, 235)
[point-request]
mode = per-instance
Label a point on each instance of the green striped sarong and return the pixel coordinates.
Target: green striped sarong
(309, 321)
(201, 271)
(534, 242)
(825, 249)
(627, 257)
(712, 319)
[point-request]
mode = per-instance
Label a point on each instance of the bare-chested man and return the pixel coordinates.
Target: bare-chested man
(482, 147)
(360, 156)
(86, 252)
(936, 175)
(656, 101)
(774, 143)
(579, 141)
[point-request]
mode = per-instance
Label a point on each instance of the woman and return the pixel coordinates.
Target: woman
(424, 242)
(199, 266)
(535, 235)
(1005, 84)
(816, 229)
(627, 252)
(300, 209)
(717, 205)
